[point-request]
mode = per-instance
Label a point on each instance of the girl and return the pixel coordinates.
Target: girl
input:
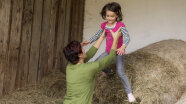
(111, 12)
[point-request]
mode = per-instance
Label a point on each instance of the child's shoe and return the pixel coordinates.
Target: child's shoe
(131, 97)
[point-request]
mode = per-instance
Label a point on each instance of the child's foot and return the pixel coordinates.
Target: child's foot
(108, 71)
(131, 97)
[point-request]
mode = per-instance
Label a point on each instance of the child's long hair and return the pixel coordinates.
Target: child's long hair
(114, 7)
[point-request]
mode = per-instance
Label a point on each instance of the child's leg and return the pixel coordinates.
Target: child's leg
(106, 70)
(101, 56)
(121, 73)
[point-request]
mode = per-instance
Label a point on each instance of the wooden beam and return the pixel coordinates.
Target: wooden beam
(5, 13)
(44, 39)
(22, 74)
(52, 33)
(81, 19)
(67, 31)
(35, 42)
(60, 35)
(14, 46)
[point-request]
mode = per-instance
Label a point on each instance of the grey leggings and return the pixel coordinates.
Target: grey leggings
(120, 71)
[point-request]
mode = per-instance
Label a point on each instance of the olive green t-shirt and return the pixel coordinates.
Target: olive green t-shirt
(80, 78)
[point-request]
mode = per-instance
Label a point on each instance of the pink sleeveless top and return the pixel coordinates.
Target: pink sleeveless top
(109, 38)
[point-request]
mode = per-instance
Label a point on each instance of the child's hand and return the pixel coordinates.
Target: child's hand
(121, 50)
(85, 43)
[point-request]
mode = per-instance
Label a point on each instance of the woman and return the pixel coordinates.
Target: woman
(80, 75)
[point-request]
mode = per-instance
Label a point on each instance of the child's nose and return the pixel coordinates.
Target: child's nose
(110, 18)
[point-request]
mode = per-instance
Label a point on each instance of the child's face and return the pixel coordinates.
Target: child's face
(111, 17)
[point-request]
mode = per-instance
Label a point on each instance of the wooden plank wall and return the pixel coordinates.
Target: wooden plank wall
(32, 36)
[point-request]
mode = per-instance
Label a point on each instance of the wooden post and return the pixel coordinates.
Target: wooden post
(60, 35)
(81, 19)
(14, 46)
(22, 74)
(35, 42)
(66, 32)
(77, 20)
(74, 21)
(5, 7)
(52, 33)
(44, 39)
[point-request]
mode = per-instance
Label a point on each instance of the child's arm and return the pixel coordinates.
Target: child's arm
(126, 37)
(96, 36)
(92, 51)
(126, 40)
(93, 38)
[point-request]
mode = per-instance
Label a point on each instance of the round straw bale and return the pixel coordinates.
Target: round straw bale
(156, 72)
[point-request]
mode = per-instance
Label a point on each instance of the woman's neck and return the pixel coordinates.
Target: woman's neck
(81, 61)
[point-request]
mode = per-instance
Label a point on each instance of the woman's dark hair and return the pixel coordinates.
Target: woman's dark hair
(114, 7)
(72, 50)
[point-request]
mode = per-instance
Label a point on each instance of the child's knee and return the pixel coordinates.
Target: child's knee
(121, 73)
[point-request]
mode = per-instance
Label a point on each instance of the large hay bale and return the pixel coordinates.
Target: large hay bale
(156, 73)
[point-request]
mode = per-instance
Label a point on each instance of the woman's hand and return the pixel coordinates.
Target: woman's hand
(103, 35)
(116, 34)
(88, 41)
(85, 43)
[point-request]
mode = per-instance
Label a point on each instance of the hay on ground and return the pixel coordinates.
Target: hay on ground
(50, 91)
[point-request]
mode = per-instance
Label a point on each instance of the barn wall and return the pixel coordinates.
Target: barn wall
(32, 36)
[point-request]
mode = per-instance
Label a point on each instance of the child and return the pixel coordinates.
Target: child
(111, 12)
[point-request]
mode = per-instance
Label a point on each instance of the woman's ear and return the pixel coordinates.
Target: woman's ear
(80, 55)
